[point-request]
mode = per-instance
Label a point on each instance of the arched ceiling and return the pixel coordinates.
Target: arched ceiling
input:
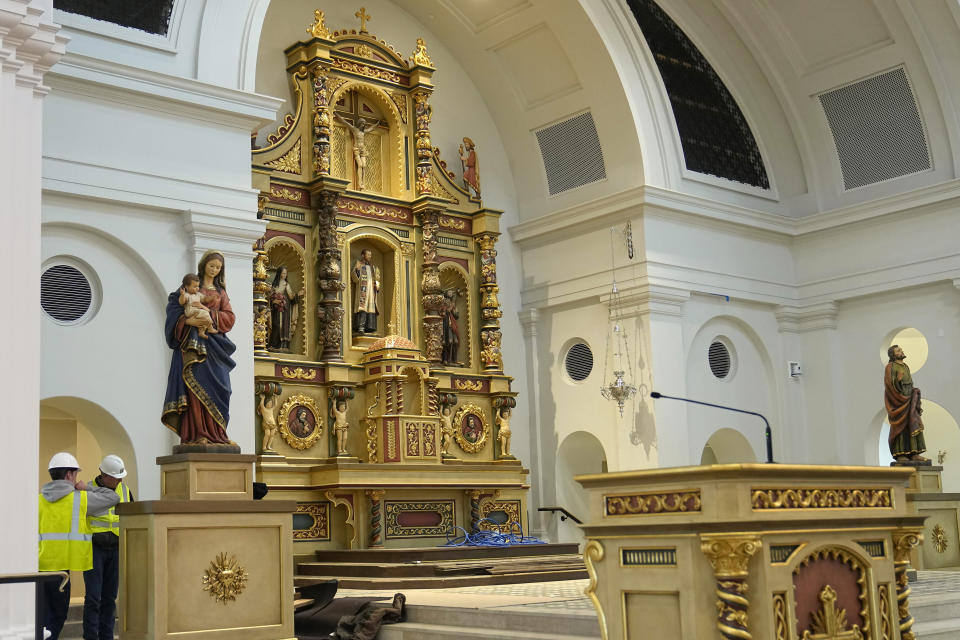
(538, 62)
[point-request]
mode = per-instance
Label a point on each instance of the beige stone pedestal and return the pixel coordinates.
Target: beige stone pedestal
(207, 561)
(941, 545)
(751, 551)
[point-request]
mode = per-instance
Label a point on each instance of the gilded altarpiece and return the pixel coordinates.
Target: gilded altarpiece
(375, 297)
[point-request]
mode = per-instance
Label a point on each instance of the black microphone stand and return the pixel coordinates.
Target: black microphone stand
(768, 433)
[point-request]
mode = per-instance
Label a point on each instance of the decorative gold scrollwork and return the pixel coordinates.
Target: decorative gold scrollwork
(469, 385)
(827, 498)
(592, 554)
(649, 503)
(225, 579)
(288, 162)
(299, 373)
(780, 616)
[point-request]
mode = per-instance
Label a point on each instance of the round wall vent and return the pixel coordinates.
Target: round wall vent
(579, 362)
(65, 293)
(720, 360)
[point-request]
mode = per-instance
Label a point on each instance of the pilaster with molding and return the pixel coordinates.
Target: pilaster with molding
(30, 43)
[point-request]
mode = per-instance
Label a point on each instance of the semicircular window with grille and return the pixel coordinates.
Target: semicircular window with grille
(65, 293)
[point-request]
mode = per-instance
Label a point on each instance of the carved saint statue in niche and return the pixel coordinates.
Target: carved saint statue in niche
(471, 173)
(340, 426)
(284, 303)
(268, 420)
(503, 432)
(359, 130)
(366, 282)
(446, 431)
(451, 332)
(902, 401)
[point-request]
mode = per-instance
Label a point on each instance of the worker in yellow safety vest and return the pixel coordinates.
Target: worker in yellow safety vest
(102, 581)
(65, 535)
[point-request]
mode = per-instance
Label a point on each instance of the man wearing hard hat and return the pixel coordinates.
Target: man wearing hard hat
(103, 580)
(65, 535)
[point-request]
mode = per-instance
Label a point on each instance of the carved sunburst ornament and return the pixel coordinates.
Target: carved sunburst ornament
(940, 538)
(225, 579)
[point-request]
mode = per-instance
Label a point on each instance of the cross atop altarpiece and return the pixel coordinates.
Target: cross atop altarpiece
(364, 16)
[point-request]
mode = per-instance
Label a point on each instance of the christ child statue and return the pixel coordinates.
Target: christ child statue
(193, 304)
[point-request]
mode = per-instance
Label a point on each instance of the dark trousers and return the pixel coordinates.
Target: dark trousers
(57, 604)
(100, 603)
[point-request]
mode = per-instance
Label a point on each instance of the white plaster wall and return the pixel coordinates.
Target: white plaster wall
(866, 325)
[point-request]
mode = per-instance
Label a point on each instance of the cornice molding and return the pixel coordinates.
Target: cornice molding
(172, 94)
(528, 321)
(649, 200)
(648, 299)
(30, 43)
(801, 319)
(232, 237)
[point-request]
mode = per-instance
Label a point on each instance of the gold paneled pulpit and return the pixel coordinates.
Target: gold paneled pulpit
(207, 561)
(779, 552)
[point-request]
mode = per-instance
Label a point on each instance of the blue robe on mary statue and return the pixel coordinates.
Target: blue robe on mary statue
(197, 402)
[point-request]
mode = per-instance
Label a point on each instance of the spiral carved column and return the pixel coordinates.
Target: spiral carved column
(474, 496)
(904, 540)
(431, 288)
(730, 559)
(376, 519)
(329, 280)
(261, 307)
(490, 313)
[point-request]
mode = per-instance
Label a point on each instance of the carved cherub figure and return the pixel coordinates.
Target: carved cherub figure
(503, 431)
(340, 426)
(446, 431)
(268, 420)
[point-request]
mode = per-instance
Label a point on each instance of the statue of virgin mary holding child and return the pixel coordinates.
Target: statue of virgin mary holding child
(197, 403)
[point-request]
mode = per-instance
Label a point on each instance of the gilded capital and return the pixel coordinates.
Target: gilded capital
(729, 557)
(904, 540)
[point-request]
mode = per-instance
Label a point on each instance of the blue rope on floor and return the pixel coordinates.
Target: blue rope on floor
(489, 537)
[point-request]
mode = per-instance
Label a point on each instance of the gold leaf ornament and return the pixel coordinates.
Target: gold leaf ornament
(225, 579)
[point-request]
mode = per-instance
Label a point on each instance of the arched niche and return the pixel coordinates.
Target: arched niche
(748, 385)
(387, 257)
(580, 452)
(941, 433)
(89, 432)
(391, 145)
(455, 283)
(412, 385)
(727, 446)
(286, 252)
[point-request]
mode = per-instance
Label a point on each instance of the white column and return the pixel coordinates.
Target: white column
(817, 424)
(29, 45)
(661, 311)
(234, 238)
(529, 319)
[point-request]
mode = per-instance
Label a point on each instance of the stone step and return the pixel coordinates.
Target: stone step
(443, 567)
(417, 631)
(430, 554)
(935, 607)
(440, 582)
(938, 629)
(578, 625)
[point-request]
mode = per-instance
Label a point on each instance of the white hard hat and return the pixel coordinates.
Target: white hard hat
(113, 466)
(63, 460)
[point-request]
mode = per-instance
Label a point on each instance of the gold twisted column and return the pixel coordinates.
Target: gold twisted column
(490, 313)
(904, 540)
(431, 288)
(329, 279)
(261, 307)
(730, 559)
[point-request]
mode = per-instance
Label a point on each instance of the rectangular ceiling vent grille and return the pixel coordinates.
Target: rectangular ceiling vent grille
(877, 129)
(571, 153)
